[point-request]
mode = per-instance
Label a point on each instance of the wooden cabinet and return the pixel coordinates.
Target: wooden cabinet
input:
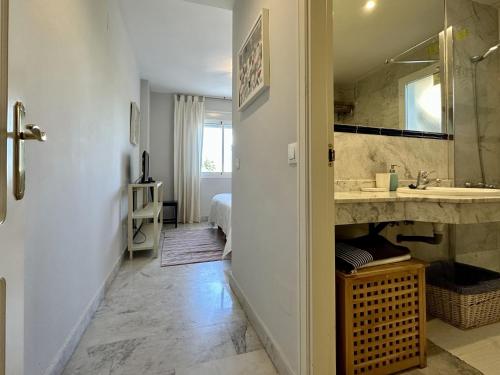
(381, 319)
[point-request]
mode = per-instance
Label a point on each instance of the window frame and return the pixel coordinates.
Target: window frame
(415, 76)
(222, 125)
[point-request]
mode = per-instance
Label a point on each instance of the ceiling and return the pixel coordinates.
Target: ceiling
(182, 46)
(363, 39)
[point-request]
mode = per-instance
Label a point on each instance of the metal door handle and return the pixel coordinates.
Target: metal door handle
(33, 132)
(22, 133)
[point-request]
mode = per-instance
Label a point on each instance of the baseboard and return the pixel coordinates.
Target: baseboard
(73, 339)
(272, 348)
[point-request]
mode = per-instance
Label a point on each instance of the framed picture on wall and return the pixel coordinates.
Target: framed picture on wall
(253, 62)
(135, 123)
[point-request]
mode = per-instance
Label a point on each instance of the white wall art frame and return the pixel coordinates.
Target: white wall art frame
(253, 62)
(135, 122)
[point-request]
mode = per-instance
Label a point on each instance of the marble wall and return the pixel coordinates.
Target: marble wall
(476, 29)
(361, 156)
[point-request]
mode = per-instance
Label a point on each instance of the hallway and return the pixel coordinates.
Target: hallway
(170, 321)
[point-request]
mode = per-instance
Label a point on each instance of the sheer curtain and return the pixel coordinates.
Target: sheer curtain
(188, 133)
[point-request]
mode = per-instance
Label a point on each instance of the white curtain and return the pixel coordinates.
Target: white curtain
(188, 134)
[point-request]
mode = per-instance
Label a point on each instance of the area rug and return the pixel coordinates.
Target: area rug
(186, 246)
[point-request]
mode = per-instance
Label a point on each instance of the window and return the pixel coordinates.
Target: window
(217, 154)
(420, 104)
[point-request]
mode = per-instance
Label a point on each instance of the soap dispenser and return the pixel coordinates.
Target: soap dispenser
(394, 179)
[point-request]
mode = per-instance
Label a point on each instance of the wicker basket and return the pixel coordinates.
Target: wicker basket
(381, 319)
(474, 305)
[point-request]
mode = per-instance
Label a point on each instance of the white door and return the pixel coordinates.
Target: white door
(12, 229)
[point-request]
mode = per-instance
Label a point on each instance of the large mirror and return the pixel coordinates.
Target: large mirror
(389, 64)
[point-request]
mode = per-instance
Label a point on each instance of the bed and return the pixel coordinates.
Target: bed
(220, 215)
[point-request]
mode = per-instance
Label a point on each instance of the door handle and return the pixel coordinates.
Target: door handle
(22, 133)
(33, 133)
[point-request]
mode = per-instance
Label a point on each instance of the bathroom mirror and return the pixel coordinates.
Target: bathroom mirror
(388, 64)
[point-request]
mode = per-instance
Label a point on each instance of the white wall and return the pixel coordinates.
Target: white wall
(265, 189)
(162, 141)
(162, 148)
(72, 65)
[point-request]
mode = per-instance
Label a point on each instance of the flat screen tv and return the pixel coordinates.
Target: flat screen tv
(145, 167)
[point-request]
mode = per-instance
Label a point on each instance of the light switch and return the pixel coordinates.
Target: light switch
(292, 154)
(237, 163)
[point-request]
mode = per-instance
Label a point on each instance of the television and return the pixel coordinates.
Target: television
(145, 168)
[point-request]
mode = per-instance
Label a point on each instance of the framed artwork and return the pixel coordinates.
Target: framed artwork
(253, 62)
(135, 123)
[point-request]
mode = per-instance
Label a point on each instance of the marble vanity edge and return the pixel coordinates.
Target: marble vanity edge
(407, 208)
(273, 350)
(361, 197)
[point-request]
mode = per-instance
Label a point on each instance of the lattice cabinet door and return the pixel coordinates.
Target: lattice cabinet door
(381, 319)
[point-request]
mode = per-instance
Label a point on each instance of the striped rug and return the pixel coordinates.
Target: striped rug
(186, 246)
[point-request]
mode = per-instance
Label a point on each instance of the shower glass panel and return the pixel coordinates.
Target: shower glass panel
(476, 71)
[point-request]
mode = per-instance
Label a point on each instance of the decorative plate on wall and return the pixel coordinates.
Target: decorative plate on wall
(135, 120)
(253, 62)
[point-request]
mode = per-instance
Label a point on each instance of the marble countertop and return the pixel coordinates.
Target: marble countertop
(392, 196)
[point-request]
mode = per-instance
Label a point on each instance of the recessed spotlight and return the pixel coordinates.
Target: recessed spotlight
(370, 5)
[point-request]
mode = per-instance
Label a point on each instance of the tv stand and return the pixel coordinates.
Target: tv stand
(147, 216)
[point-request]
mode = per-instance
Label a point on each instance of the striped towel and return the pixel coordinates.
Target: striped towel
(350, 258)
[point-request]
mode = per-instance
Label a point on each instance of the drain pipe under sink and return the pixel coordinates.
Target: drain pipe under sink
(436, 239)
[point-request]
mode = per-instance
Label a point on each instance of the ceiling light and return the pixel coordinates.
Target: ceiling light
(370, 5)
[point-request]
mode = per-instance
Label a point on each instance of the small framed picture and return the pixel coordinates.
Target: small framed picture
(253, 62)
(135, 123)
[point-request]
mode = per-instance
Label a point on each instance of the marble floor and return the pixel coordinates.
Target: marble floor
(178, 320)
(184, 320)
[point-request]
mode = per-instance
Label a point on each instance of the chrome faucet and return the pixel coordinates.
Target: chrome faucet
(424, 180)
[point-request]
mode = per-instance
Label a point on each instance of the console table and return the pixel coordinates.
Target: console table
(145, 219)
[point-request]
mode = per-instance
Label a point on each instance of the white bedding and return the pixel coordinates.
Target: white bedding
(220, 215)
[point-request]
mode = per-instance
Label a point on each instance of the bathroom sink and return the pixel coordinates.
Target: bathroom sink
(452, 191)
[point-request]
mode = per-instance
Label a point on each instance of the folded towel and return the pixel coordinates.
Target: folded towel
(349, 258)
(365, 251)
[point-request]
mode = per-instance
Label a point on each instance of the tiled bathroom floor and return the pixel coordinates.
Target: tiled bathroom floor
(175, 320)
(479, 347)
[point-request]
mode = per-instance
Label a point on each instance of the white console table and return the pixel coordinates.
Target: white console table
(147, 216)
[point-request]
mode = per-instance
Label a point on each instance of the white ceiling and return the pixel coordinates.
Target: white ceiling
(182, 46)
(364, 40)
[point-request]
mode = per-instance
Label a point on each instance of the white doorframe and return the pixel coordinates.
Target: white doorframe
(316, 189)
(12, 229)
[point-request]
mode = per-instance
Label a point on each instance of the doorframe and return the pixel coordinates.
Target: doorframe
(4, 62)
(316, 189)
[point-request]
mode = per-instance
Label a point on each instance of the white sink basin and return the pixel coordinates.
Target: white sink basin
(452, 191)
